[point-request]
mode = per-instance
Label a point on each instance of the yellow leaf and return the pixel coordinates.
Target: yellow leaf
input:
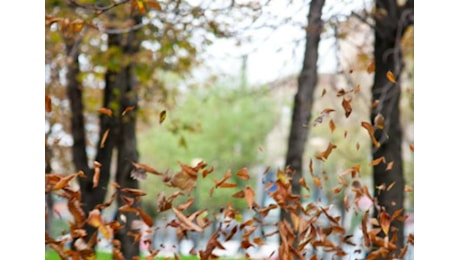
(140, 6)
(391, 77)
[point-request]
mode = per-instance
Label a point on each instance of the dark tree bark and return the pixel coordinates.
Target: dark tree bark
(389, 29)
(303, 100)
(119, 93)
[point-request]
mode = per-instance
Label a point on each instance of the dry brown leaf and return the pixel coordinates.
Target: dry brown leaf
(104, 138)
(162, 116)
(384, 220)
(389, 166)
(147, 168)
(379, 121)
(64, 181)
(145, 217)
(243, 174)
(331, 125)
(408, 188)
(378, 161)
(48, 106)
(105, 111)
(187, 222)
(249, 196)
(134, 192)
(370, 130)
(323, 155)
(391, 77)
(347, 106)
(411, 146)
(127, 109)
(153, 4)
(371, 67)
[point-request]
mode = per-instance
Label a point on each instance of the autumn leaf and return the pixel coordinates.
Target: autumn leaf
(389, 166)
(325, 113)
(378, 161)
(145, 217)
(331, 125)
(323, 155)
(63, 182)
(146, 167)
(105, 111)
(375, 103)
(411, 146)
(323, 92)
(379, 121)
(162, 116)
(134, 192)
(371, 67)
(48, 107)
(370, 130)
(249, 196)
(127, 109)
(153, 4)
(347, 106)
(243, 174)
(104, 138)
(391, 77)
(384, 219)
(408, 188)
(187, 222)
(97, 173)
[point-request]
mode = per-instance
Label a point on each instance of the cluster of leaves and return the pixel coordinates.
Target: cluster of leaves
(307, 233)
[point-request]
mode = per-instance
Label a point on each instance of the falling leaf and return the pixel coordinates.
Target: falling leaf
(357, 89)
(187, 222)
(384, 219)
(63, 182)
(105, 111)
(97, 173)
(153, 4)
(260, 148)
(370, 130)
(375, 103)
(145, 217)
(317, 182)
(104, 138)
(408, 188)
(48, 106)
(357, 145)
(147, 168)
(243, 174)
(323, 92)
(391, 186)
(378, 161)
(411, 146)
(391, 77)
(323, 155)
(325, 113)
(239, 194)
(347, 106)
(303, 183)
(162, 116)
(127, 109)
(389, 166)
(371, 67)
(249, 196)
(331, 125)
(379, 121)
(135, 192)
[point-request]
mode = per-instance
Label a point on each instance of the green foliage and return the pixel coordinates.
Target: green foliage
(222, 126)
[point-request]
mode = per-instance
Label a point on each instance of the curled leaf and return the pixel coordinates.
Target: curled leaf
(105, 111)
(379, 121)
(370, 130)
(323, 155)
(347, 106)
(391, 77)
(127, 109)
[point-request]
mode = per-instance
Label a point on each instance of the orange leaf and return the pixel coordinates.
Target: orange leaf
(384, 219)
(94, 218)
(303, 183)
(391, 77)
(378, 161)
(153, 4)
(135, 192)
(145, 217)
(379, 121)
(105, 111)
(391, 186)
(408, 188)
(63, 182)
(140, 6)
(97, 173)
(389, 166)
(317, 182)
(187, 222)
(371, 68)
(331, 125)
(347, 107)
(243, 174)
(411, 146)
(370, 130)
(323, 155)
(375, 104)
(147, 168)
(104, 138)
(162, 116)
(127, 109)
(48, 106)
(249, 196)
(239, 194)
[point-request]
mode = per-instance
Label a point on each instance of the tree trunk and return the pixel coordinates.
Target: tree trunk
(303, 100)
(124, 81)
(388, 31)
